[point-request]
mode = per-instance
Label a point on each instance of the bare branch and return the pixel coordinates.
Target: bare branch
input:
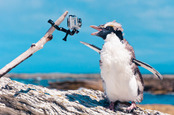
(34, 48)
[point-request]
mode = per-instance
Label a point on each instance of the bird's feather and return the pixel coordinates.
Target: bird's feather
(137, 62)
(95, 48)
(148, 67)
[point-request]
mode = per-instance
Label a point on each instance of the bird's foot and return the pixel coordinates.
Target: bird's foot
(112, 106)
(131, 107)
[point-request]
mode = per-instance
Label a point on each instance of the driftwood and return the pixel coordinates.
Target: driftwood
(34, 48)
(21, 99)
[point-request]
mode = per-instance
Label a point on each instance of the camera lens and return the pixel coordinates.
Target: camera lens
(80, 22)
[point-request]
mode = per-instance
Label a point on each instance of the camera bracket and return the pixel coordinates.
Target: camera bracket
(68, 32)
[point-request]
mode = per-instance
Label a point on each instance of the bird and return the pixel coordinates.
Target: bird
(122, 80)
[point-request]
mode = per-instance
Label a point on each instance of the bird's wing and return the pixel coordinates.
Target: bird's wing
(148, 67)
(137, 62)
(95, 48)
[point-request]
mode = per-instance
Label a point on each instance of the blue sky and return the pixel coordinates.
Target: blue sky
(148, 26)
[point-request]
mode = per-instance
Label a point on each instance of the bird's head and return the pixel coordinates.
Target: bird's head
(104, 30)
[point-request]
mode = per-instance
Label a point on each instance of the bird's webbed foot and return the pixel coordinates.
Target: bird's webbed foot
(131, 107)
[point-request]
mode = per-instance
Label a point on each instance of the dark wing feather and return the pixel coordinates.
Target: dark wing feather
(148, 67)
(137, 62)
(142, 64)
(95, 48)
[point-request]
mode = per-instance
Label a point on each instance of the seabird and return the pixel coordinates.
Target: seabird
(122, 80)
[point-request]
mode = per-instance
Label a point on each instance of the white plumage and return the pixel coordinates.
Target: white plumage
(119, 80)
(122, 80)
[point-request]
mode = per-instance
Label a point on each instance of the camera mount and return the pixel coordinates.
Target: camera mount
(68, 32)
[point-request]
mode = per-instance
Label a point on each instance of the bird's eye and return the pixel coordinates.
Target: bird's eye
(108, 28)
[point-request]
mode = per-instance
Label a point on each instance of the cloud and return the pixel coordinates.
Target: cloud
(160, 19)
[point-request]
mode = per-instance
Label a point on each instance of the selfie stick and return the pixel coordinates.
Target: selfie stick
(68, 32)
(34, 47)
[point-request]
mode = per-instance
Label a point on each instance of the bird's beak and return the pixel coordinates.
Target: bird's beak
(97, 28)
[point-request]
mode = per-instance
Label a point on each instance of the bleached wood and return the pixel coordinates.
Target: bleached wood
(34, 48)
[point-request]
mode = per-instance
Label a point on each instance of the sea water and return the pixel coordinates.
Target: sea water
(158, 99)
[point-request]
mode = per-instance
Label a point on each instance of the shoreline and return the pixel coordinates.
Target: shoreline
(74, 81)
(62, 75)
(93, 81)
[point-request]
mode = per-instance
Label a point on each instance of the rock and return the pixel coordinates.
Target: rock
(76, 84)
(52, 75)
(156, 86)
(17, 98)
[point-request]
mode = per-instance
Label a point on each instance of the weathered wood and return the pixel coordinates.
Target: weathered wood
(21, 99)
(34, 48)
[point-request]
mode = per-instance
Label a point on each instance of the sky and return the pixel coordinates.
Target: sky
(148, 26)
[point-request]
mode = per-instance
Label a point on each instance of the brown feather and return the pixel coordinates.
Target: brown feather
(136, 72)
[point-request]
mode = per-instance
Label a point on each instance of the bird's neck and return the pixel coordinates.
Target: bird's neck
(113, 37)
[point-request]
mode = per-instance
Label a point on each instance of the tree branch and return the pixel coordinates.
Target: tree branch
(34, 48)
